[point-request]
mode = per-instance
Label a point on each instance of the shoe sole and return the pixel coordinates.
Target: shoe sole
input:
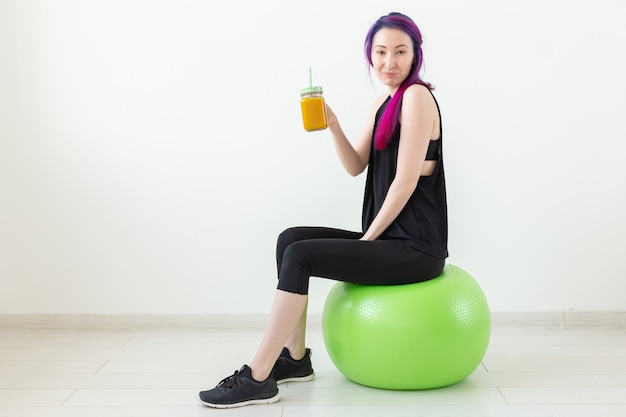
(244, 403)
(297, 379)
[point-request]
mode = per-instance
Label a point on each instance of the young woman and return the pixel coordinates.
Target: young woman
(405, 231)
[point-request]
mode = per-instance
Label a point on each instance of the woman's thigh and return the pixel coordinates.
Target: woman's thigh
(378, 262)
(296, 234)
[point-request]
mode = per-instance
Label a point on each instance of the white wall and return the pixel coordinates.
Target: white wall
(151, 151)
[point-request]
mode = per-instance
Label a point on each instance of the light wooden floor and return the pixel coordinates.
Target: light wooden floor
(558, 365)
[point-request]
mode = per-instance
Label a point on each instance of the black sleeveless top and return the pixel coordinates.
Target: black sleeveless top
(423, 222)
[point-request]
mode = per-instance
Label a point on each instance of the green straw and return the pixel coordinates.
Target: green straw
(310, 78)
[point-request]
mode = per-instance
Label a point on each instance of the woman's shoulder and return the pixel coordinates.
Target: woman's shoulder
(418, 101)
(381, 99)
(418, 96)
(417, 91)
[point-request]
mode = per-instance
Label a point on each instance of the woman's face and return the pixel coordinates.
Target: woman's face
(392, 56)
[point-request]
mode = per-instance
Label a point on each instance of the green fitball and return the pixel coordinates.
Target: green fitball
(406, 337)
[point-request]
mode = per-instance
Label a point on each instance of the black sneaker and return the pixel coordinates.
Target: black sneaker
(240, 389)
(287, 369)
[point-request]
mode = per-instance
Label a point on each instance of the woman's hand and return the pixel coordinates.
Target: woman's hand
(331, 118)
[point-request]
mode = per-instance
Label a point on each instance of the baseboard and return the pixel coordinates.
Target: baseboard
(562, 319)
(133, 322)
(256, 322)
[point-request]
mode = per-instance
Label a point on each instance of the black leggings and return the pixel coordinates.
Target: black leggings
(303, 252)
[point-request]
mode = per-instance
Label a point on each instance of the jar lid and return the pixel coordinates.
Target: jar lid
(308, 90)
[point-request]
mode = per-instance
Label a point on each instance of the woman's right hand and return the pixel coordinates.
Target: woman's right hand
(331, 117)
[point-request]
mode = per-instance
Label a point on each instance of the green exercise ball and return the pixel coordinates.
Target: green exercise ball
(406, 337)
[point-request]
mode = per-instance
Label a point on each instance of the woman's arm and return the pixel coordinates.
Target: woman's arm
(354, 158)
(418, 115)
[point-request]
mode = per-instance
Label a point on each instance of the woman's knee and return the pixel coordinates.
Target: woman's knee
(285, 238)
(292, 235)
(294, 271)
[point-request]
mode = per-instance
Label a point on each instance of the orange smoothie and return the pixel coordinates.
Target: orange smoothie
(313, 113)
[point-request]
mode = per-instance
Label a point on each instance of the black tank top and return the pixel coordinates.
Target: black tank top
(423, 222)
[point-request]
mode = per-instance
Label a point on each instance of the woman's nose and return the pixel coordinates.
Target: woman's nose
(391, 61)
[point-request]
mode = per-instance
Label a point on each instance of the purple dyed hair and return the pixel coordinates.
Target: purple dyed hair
(389, 119)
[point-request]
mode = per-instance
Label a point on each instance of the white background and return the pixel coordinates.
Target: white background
(151, 151)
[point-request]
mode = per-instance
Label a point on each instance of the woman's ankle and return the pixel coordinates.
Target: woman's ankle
(297, 353)
(259, 374)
